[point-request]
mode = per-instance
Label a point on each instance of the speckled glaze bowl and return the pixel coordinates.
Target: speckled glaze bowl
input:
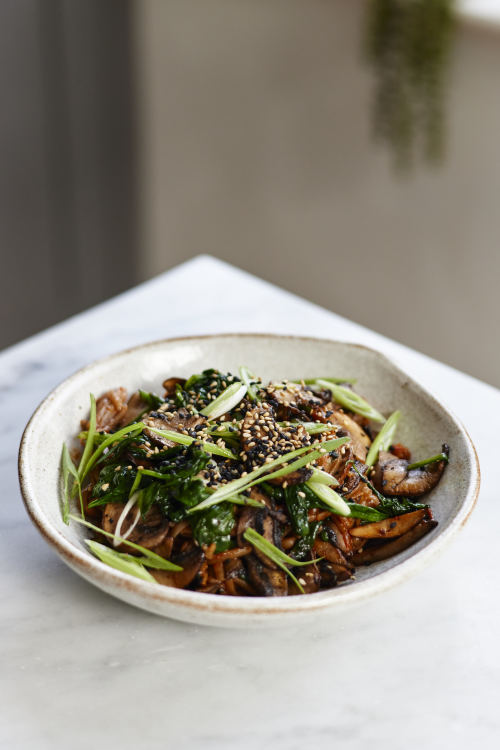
(424, 427)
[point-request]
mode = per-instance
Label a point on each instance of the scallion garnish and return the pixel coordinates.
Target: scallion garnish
(256, 476)
(276, 555)
(113, 437)
(228, 399)
(329, 497)
(231, 428)
(243, 500)
(89, 440)
(151, 559)
(239, 485)
(350, 400)
(119, 560)
(323, 477)
(384, 439)
(69, 468)
(126, 508)
(427, 461)
(250, 381)
(365, 512)
(329, 445)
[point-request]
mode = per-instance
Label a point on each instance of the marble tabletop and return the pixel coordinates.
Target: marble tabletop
(416, 666)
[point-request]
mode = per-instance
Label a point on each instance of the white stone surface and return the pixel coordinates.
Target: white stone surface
(418, 666)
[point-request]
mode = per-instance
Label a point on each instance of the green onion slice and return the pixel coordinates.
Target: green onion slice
(329, 497)
(323, 477)
(276, 555)
(244, 483)
(427, 461)
(121, 561)
(177, 437)
(352, 401)
(89, 440)
(153, 560)
(247, 378)
(384, 439)
(243, 500)
(69, 468)
(131, 429)
(365, 513)
(228, 399)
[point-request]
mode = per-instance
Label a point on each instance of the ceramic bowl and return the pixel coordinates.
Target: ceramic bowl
(425, 425)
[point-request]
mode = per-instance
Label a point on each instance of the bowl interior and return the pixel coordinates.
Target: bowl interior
(424, 426)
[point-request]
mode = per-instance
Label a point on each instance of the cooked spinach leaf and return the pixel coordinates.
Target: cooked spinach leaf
(113, 485)
(178, 491)
(396, 506)
(182, 462)
(301, 550)
(151, 399)
(214, 525)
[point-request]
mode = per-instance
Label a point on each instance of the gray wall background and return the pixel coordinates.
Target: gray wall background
(136, 134)
(68, 216)
(256, 147)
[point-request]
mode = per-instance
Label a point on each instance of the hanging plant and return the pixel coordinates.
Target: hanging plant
(408, 42)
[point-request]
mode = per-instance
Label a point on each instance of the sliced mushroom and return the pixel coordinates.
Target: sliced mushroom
(261, 520)
(339, 528)
(390, 527)
(293, 401)
(355, 489)
(170, 385)
(401, 451)
(328, 576)
(149, 531)
(110, 409)
(175, 421)
(266, 581)
(135, 407)
(391, 476)
(332, 554)
(360, 441)
(382, 552)
(337, 461)
(190, 563)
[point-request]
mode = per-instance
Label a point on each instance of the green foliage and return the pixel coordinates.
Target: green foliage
(409, 44)
(384, 439)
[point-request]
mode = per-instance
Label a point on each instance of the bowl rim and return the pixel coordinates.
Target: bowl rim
(109, 578)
